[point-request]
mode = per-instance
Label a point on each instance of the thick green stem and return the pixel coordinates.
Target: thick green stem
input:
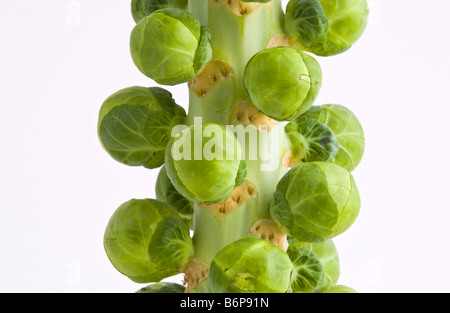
(236, 37)
(200, 9)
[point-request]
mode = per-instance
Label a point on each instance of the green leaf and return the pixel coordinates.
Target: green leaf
(308, 271)
(326, 27)
(121, 132)
(166, 192)
(328, 256)
(171, 244)
(158, 127)
(242, 173)
(315, 76)
(317, 141)
(204, 50)
(346, 129)
(307, 22)
(135, 123)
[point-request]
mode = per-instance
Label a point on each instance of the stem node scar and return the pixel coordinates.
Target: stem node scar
(243, 112)
(195, 273)
(212, 74)
(271, 232)
(279, 40)
(246, 191)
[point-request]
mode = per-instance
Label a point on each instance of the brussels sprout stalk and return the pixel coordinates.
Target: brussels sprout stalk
(234, 45)
(263, 212)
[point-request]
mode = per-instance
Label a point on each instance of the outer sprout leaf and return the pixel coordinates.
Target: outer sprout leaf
(315, 77)
(346, 128)
(166, 192)
(170, 238)
(121, 131)
(308, 271)
(158, 127)
(155, 161)
(307, 19)
(311, 141)
(204, 50)
(328, 256)
(241, 174)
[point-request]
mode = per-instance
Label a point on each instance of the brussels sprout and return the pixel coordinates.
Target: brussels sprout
(170, 46)
(250, 264)
(316, 265)
(340, 136)
(205, 163)
(166, 192)
(311, 140)
(282, 82)
(339, 289)
(326, 27)
(143, 8)
(315, 201)
(146, 240)
(163, 288)
(135, 123)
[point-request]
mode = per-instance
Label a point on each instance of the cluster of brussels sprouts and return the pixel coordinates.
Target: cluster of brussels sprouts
(316, 198)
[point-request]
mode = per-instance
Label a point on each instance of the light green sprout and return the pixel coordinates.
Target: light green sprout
(250, 265)
(204, 163)
(316, 265)
(282, 82)
(134, 125)
(147, 241)
(170, 46)
(316, 201)
(326, 27)
(328, 132)
(310, 141)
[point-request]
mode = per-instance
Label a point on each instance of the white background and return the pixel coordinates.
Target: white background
(60, 60)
